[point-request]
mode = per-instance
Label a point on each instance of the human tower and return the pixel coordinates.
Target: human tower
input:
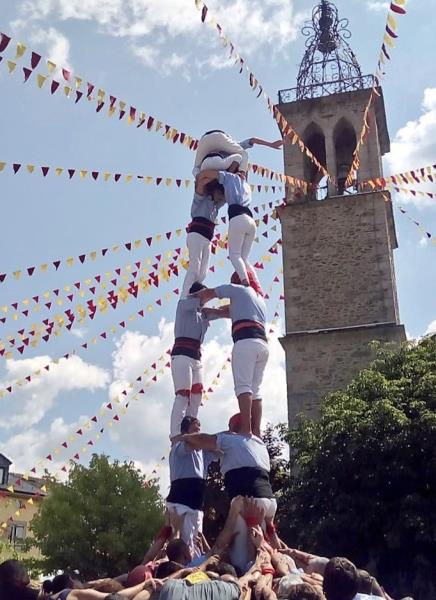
(220, 172)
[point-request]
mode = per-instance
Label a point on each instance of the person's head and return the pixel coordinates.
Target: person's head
(215, 190)
(190, 425)
(252, 280)
(368, 584)
(179, 552)
(197, 287)
(13, 574)
(340, 579)
(235, 423)
(304, 591)
(223, 568)
(63, 582)
(167, 568)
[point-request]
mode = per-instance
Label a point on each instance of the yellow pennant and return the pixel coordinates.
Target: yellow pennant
(70, 261)
(67, 91)
(79, 81)
(128, 178)
(51, 66)
(83, 174)
(106, 175)
(11, 66)
(40, 80)
(2, 165)
(58, 171)
(21, 49)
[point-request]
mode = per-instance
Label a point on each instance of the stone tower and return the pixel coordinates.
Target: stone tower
(340, 291)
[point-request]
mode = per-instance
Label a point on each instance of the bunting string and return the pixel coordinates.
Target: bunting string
(412, 192)
(141, 280)
(74, 87)
(163, 181)
(91, 442)
(396, 8)
(107, 334)
(423, 230)
(130, 246)
(254, 83)
(419, 175)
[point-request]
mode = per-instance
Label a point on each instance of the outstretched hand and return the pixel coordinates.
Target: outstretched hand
(277, 145)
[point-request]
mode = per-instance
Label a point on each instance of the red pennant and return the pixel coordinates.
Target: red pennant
(2, 277)
(150, 122)
(45, 170)
(49, 457)
(158, 180)
(149, 240)
(34, 61)
(397, 9)
(30, 271)
(79, 95)
(66, 74)
(76, 456)
(128, 245)
(94, 419)
(27, 73)
(82, 258)
(54, 86)
(95, 175)
(204, 13)
(116, 418)
(4, 42)
(117, 176)
(79, 432)
(16, 167)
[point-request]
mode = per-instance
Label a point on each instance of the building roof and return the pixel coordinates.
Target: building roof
(30, 487)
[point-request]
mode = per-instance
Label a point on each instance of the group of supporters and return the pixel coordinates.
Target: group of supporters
(248, 559)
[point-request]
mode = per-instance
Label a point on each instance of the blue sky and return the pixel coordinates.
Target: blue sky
(157, 56)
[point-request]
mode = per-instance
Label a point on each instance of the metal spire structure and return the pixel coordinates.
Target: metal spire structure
(329, 65)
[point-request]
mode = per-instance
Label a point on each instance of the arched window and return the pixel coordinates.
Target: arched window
(314, 139)
(345, 143)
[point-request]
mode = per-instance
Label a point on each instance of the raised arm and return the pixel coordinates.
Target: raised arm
(205, 295)
(260, 142)
(203, 178)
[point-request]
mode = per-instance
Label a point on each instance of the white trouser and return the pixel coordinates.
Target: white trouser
(242, 231)
(240, 550)
(188, 383)
(249, 358)
(219, 142)
(199, 253)
(192, 524)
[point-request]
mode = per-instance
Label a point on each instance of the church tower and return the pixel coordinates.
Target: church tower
(338, 241)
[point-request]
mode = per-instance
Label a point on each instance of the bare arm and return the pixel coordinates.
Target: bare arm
(223, 312)
(156, 546)
(260, 142)
(205, 295)
(199, 441)
(203, 179)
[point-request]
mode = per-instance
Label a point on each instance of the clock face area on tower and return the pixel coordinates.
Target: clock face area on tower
(338, 239)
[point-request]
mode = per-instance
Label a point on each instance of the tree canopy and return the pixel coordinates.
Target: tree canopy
(100, 521)
(363, 481)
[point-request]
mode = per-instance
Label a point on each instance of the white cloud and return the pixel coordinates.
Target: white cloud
(28, 407)
(377, 6)
(54, 44)
(431, 329)
(414, 145)
(256, 27)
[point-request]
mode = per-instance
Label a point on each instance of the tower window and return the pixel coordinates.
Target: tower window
(345, 144)
(315, 141)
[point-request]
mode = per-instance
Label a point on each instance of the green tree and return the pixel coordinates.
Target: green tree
(100, 521)
(363, 478)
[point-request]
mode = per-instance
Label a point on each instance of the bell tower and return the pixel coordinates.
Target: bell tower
(338, 241)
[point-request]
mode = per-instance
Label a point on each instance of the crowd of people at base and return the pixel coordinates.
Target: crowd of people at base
(169, 571)
(248, 558)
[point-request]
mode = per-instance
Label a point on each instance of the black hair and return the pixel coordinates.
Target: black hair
(196, 287)
(340, 579)
(223, 568)
(212, 187)
(13, 572)
(186, 423)
(167, 568)
(176, 548)
(214, 131)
